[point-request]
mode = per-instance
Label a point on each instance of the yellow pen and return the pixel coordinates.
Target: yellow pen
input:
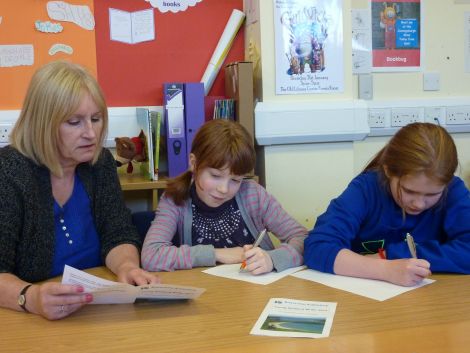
(257, 242)
(411, 245)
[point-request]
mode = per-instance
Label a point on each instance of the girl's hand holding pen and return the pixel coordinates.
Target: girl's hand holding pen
(406, 272)
(257, 260)
(258, 241)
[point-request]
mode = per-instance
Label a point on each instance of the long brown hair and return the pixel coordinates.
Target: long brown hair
(418, 148)
(217, 144)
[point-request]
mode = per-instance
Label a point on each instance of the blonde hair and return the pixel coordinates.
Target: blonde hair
(54, 94)
(217, 144)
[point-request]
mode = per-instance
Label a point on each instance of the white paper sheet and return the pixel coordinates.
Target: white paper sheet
(81, 15)
(233, 272)
(109, 292)
(295, 318)
(16, 55)
(131, 27)
(378, 290)
(361, 41)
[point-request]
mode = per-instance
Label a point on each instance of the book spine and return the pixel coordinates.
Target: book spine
(156, 120)
(193, 111)
(175, 129)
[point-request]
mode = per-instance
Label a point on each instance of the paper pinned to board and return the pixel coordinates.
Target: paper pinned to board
(59, 47)
(48, 27)
(131, 27)
(81, 15)
(370, 288)
(16, 55)
(172, 6)
(232, 271)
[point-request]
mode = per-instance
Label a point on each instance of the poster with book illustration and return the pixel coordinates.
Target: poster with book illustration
(308, 46)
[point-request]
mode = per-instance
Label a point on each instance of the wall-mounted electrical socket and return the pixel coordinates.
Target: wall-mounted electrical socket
(378, 117)
(458, 115)
(5, 131)
(435, 115)
(405, 116)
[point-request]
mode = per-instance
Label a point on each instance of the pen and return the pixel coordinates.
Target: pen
(257, 242)
(411, 245)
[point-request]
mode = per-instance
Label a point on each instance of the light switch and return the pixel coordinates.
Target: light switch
(431, 81)
(366, 90)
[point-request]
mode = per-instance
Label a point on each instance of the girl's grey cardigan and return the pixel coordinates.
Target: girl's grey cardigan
(259, 210)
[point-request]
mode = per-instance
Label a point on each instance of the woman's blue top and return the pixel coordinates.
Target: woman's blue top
(77, 243)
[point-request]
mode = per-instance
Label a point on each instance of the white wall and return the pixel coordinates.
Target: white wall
(122, 122)
(305, 177)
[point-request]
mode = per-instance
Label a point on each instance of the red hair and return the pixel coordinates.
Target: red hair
(418, 148)
(217, 144)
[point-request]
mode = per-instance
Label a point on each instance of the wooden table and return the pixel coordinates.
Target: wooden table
(431, 319)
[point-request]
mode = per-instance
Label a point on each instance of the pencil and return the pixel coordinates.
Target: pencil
(257, 242)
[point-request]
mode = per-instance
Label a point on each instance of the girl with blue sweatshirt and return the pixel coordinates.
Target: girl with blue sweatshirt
(408, 187)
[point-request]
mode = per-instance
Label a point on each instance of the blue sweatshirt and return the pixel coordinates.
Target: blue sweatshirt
(365, 218)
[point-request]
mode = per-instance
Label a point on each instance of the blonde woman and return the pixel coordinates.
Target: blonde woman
(60, 199)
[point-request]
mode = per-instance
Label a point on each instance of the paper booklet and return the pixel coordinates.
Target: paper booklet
(295, 318)
(109, 292)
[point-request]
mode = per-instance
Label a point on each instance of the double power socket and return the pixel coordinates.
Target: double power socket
(5, 131)
(398, 117)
